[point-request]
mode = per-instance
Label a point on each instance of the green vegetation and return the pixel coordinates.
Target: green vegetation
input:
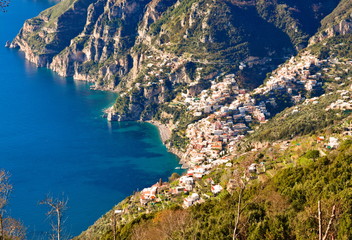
(207, 39)
(173, 12)
(292, 16)
(309, 118)
(122, 104)
(230, 36)
(179, 140)
(282, 207)
(312, 154)
(191, 70)
(341, 12)
(339, 46)
(56, 11)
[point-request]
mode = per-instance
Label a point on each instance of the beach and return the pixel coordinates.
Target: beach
(164, 131)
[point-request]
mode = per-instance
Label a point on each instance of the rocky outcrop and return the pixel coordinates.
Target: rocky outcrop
(101, 52)
(45, 36)
(342, 28)
(338, 22)
(153, 50)
(153, 12)
(157, 53)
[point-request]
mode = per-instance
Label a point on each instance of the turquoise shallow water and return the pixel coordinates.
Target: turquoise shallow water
(53, 140)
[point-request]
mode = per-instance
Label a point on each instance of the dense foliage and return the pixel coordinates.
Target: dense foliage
(284, 207)
(342, 11)
(209, 39)
(310, 118)
(339, 46)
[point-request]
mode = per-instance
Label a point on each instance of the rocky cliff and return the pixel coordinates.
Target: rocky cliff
(45, 36)
(339, 22)
(151, 50)
(164, 56)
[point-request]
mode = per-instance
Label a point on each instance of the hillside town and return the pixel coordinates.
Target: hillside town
(219, 133)
(229, 112)
(295, 75)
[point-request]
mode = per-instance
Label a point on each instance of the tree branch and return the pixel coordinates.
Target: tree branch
(319, 220)
(330, 222)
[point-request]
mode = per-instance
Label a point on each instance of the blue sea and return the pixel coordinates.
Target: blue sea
(53, 140)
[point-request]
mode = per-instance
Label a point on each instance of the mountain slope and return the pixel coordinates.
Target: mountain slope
(110, 41)
(43, 37)
(213, 71)
(281, 201)
(339, 22)
(284, 207)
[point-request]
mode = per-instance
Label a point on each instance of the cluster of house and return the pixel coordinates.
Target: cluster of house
(210, 139)
(229, 111)
(214, 98)
(186, 184)
(150, 194)
(218, 134)
(297, 73)
(344, 103)
(188, 181)
(165, 65)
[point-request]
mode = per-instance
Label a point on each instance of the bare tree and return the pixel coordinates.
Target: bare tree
(56, 210)
(167, 224)
(331, 219)
(239, 209)
(9, 227)
(241, 178)
(319, 220)
(5, 190)
(14, 229)
(113, 224)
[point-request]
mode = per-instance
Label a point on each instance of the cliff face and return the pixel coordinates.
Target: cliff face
(101, 52)
(112, 42)
(339, 22)
(163, 56)
(45, 36)
(153, 51)
(342, 28)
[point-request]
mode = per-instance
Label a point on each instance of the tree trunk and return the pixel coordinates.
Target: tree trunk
(238, 214)
(113, 225)
(58, 225)
(2, 228)
(319, 220)
(330, 222)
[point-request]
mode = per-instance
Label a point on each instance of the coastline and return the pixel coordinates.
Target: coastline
(164, 130)
(165, 134)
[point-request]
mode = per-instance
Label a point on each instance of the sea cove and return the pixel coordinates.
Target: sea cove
(54, 140)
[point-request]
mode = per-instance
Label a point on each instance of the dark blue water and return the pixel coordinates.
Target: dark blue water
(53, 140)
